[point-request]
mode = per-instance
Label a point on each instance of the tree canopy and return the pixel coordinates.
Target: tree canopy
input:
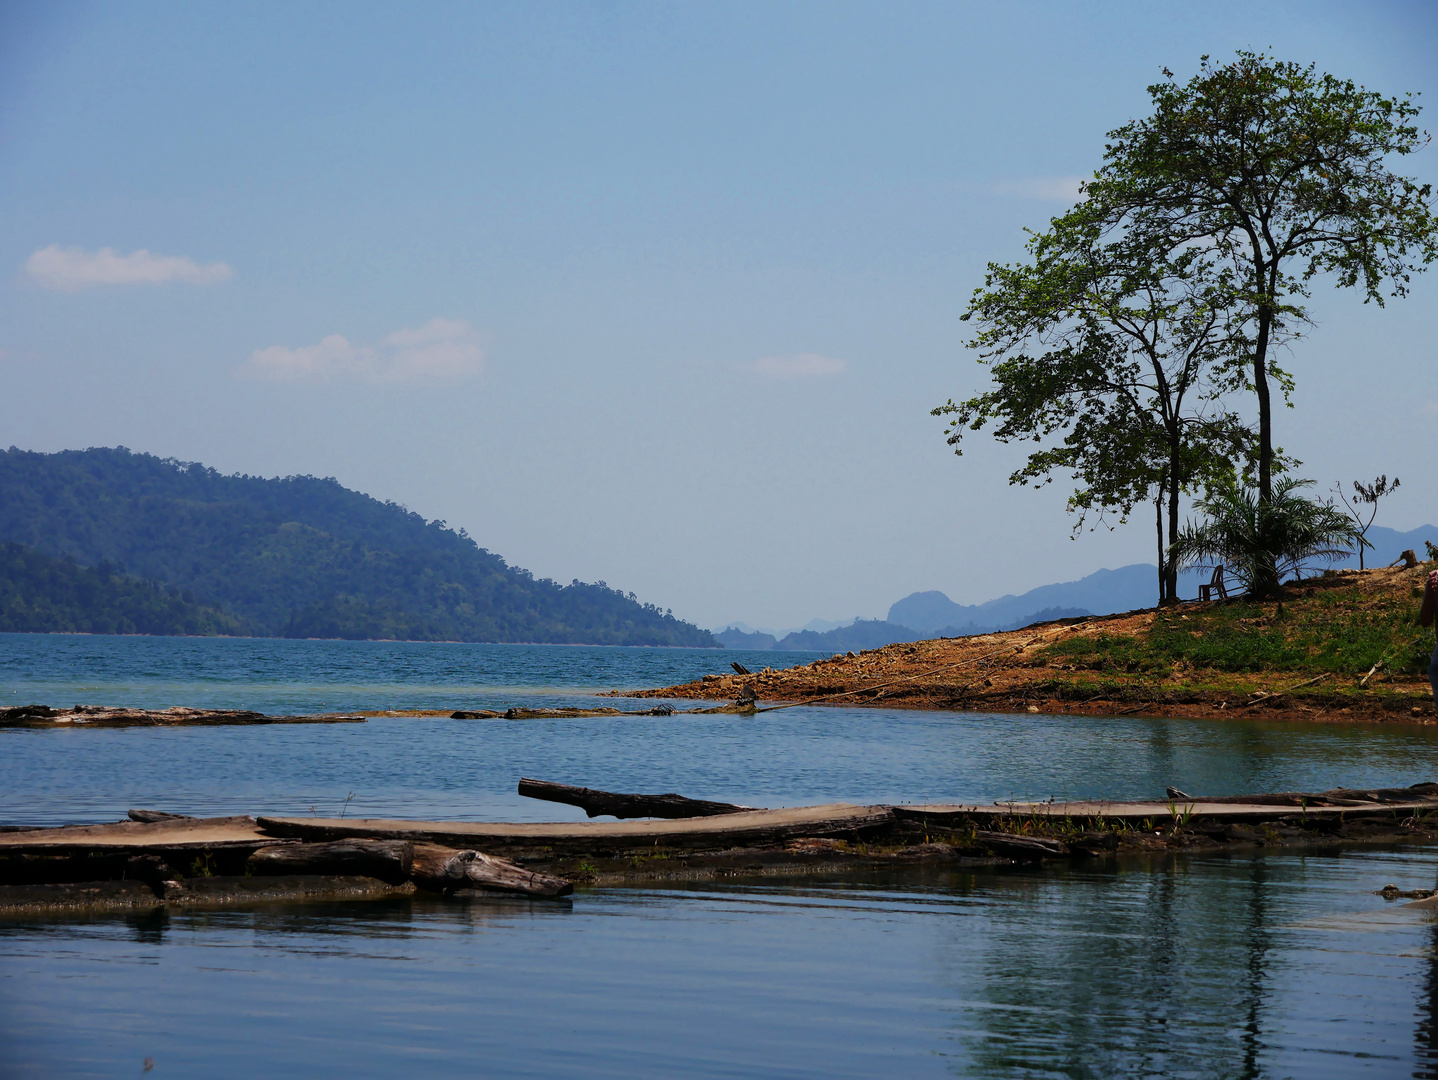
(1166, 289)
(1115, 358)
(1284, 174)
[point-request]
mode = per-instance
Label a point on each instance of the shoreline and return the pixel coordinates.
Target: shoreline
(1206, 660)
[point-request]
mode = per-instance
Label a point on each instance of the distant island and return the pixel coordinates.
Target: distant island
(110, 541)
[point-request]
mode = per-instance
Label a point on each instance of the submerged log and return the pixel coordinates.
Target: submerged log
(1020, 847)
(443, 869)
(388, 860)
(147, 816)
(596, 803)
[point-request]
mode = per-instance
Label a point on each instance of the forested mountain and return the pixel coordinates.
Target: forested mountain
(303, 557)
(42, 593)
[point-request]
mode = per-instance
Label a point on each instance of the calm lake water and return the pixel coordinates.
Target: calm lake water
(1272, 966)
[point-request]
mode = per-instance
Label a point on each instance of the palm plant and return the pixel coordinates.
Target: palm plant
(1257, 541)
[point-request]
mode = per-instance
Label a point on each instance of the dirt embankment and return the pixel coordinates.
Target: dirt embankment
(1341, 647)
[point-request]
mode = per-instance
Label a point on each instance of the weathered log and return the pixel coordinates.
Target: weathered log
(1020, 847)
(750, 828)
(443, 869)
(596, 803)
(388, 860)
(1333, 797)
(157, 815)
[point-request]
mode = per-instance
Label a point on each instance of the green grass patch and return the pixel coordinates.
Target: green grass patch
(1334, 630)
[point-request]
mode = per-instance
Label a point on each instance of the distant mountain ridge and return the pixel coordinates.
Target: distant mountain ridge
(303, 557)
(932, 614)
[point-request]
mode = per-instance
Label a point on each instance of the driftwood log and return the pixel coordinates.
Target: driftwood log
(1020, 847)
(597, 803)
(147, 816)
(388, 860)
(1332, 797)
(443, 869)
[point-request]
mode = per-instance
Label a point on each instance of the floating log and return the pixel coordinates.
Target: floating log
(596, 803)
(166, 834)
(747, 828)
(1020, 847)
(43, 716)
(148, 816)
(1332, 797)
(388, 860)
(443, 869)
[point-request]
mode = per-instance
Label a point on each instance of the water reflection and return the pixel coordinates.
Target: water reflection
(1233, 967)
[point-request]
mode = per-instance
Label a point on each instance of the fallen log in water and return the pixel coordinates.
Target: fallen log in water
(1020, 847)
(443, 869)
(388, 860)
(43, 716)
(149, 816)
(596, 803)
(747, 828)
(1332, 797)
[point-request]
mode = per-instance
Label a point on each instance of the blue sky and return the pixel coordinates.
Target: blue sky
(659, 294)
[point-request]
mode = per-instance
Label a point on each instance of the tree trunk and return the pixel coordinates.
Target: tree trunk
(1266, 583)
(443, 869)
(1169, 567)
(388, 860)
(1162, 554)
(595, 803)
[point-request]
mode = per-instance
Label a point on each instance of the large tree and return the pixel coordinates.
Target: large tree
(1284, 174)
(1114, 355)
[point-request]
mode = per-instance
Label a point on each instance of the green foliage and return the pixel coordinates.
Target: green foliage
(1280, 174)
(304, 557)
(1114, 352)
(1261, 541)
(43, 594)
(1337, 630)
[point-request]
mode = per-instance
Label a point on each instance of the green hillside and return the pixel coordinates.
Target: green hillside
(41, 593)
(303, 557)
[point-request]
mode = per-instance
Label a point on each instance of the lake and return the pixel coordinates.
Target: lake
(1245, 965)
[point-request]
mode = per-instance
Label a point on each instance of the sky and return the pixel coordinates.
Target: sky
(655, 294)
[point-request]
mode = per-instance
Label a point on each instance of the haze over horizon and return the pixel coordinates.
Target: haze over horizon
(656, 294)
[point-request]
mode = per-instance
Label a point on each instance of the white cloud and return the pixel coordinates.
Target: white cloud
(1050, 188)
(72, 269)
(797, 366)
(442, 350)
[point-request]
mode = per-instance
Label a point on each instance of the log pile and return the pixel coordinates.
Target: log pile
(173, 858)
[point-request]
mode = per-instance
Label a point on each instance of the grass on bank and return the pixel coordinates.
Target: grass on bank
(1341, 624)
